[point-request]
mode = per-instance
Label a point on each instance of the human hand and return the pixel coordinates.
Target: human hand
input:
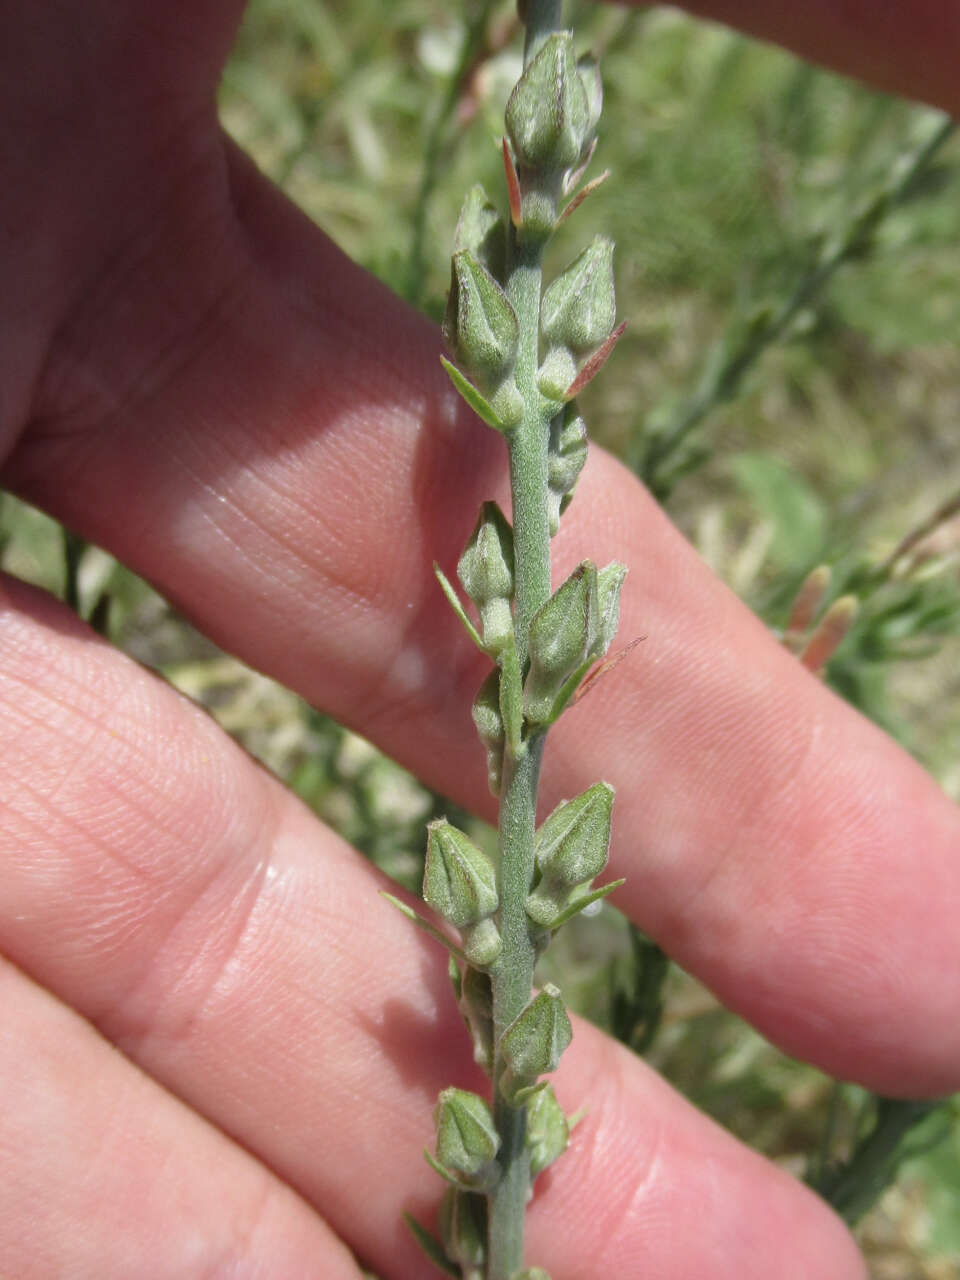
(195, 378)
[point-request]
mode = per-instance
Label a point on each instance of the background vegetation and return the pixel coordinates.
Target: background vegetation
(788, 385)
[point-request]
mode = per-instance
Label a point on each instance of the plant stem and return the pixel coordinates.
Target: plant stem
(540, 17)
(512, 977)
(512, 980)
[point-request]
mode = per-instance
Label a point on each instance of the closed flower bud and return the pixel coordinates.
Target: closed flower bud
(486, 572)
(557, 373)
(463, 1227)
(485, 567)
(459, 880)
(580, 307)
(548, 114)
(533, 1042)
(480, 325)
(562, 634)
(482, 943)
(481, 230)
(489, 724)
(565, 460)
(571, 848)
(572, 844)
(588, 70)
(609, 583)
(548, 1131)
(467, 1139)
(476, 1005)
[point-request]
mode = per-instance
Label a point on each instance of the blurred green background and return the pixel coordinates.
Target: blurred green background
(789, 264)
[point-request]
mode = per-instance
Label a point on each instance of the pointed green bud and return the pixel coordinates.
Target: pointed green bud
(486, 572)
(507, 403)
(609, 583)
(481, 230)
(580, 307)
(588, 69)
(480, 325)
(489, 724)
(481, 943)
(548, 1131)
(548, 115)
(557, 373)
(573, 843)
(566, 457)
(467, 1139)
(463, 1228)
(571, 848)
(476, 1005)
(562, 635)
(533, 1042)
(459, 880)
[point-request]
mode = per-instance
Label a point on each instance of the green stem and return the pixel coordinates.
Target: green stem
(540, 17)
(512, 977)
(512, 982)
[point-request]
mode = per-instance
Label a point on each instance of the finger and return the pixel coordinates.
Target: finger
(105, 1174)
(135, 84)
(287, 475)
(210, 927)
(907, 47)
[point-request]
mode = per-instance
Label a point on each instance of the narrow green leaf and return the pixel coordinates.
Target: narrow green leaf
(576, 907)
(523, 1095)
(431, 1246)
(481, 407)
(444, 1172)
(457, 607)
(425, 925)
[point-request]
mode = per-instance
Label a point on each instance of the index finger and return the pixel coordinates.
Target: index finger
(908, 47)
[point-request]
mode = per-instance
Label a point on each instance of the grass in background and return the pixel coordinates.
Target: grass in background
(735, 166)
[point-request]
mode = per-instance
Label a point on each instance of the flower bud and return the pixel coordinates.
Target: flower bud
(476, 1005)
(533, 1043)
(467, 1139)
(557, 373)
(480, 325)
(588, 70)
(609, 582)
(489, 724)
(481, 230)
(562, 634)
(463, 1227)
(565, 460)
(571, 848)
(548, 114)
(531, 1273)
(580, 307)
(572, 844)
(486, 572)
(459, 880)
(548, 1131)
(482, 943)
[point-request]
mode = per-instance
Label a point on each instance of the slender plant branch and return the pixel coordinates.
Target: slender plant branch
(542, 645)
(654, 452)
(437, 146)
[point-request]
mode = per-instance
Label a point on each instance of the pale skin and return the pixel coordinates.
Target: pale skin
(195, 378)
